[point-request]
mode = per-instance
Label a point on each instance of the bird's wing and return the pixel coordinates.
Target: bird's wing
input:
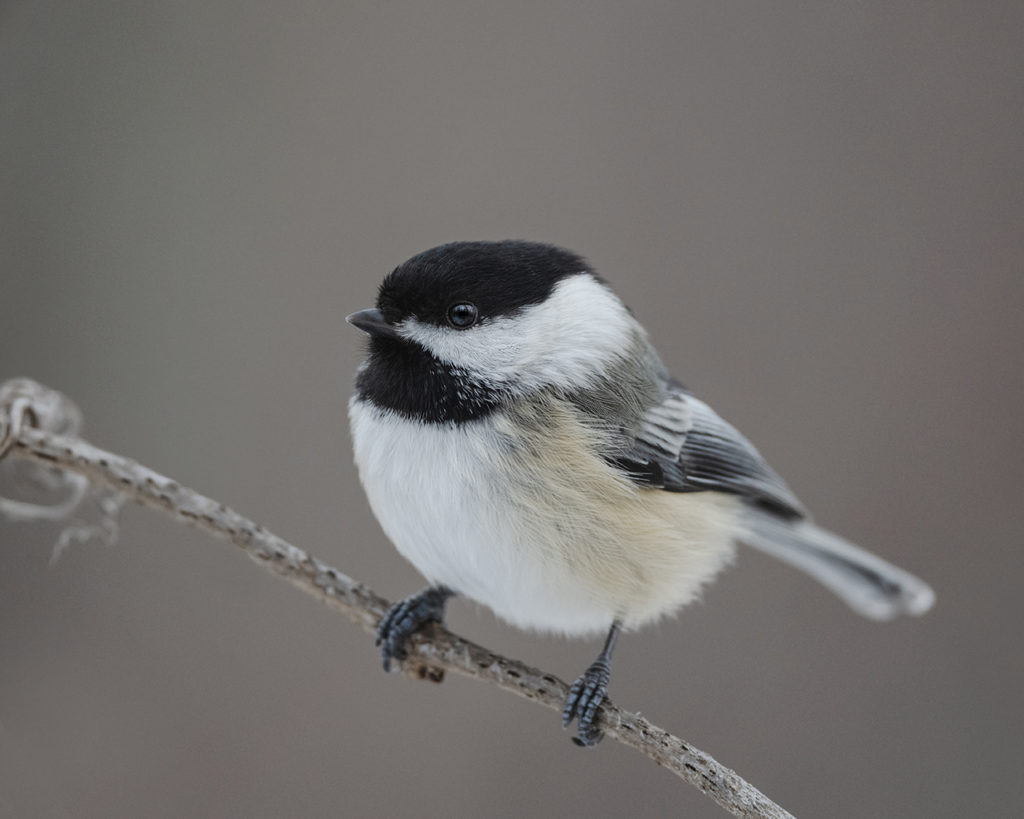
(683, 446)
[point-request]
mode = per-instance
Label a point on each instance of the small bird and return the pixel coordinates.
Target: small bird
(522, 444)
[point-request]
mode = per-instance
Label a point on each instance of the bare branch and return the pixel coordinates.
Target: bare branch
(31, 421)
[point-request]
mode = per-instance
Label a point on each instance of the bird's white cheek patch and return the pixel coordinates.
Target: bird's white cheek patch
(568, 340)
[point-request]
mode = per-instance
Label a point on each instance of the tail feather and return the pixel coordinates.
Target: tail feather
(871, 586)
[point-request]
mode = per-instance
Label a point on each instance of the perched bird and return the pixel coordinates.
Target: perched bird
(522, 444)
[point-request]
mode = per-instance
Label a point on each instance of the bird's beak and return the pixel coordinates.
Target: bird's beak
(372, 321)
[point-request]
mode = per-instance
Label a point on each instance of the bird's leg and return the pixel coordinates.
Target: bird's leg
(588, 692)
(408, 616)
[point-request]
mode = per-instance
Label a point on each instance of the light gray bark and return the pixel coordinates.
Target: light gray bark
(40, 425)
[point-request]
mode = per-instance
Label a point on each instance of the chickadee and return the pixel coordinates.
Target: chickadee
(522, 444)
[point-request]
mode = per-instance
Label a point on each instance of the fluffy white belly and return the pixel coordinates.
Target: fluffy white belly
(548, 540)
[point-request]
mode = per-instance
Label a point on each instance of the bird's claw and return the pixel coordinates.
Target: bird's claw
(405, 618)
(585, 697)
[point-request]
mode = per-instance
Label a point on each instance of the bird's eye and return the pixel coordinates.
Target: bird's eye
(462, 315)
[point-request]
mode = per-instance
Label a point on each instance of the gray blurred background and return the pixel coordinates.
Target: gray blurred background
(815, 208)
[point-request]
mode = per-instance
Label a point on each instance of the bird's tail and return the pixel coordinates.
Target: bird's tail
(870, 586)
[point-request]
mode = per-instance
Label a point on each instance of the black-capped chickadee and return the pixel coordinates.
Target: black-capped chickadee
(522, 444)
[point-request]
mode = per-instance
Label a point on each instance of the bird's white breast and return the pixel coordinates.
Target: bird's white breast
(544, 534)
(438, 493)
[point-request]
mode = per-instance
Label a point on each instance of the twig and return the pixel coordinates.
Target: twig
(29, 430)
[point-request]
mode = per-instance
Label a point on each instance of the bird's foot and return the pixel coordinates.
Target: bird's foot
(405, 618)
(585, 696)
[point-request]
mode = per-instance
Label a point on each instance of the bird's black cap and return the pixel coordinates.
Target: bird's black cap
(499, 278)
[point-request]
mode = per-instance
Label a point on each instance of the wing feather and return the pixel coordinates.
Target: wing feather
(684, 446)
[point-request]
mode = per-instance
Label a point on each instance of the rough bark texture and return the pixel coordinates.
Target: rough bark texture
(31, 420)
